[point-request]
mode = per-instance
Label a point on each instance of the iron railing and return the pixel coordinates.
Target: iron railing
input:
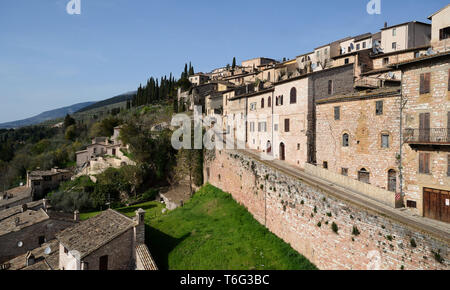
(427, 136)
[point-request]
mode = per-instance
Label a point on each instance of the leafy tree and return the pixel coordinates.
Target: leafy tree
(69, 121)
(71, 133)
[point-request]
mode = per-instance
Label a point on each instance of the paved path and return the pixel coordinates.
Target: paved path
(437, 229)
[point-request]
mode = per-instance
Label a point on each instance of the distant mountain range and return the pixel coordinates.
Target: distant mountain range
(114, 100)
(46, 116)
(62, 112)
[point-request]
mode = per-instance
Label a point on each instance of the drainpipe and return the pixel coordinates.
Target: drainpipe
(401, 139)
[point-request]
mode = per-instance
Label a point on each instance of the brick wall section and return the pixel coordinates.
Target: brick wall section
(437, 103)
(358, 119)
(286, 207)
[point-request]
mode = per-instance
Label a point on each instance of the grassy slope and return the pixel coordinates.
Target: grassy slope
(213, 232)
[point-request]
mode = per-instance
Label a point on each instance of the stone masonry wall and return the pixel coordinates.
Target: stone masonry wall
(292, 210)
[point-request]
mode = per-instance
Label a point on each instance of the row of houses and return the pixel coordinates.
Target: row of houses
(375, 108)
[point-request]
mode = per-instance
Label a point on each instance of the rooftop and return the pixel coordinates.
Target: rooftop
(406, 23)
(368, 94)
(92, 234)
(42, 260)
(15, 194)
(422, 58)
(21, 220)
(431, 16)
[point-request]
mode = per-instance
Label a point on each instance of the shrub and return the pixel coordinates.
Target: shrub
(335, 228)
(70, 201)
(355, 231)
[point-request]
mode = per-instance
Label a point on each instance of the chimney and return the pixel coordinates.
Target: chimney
(45, 204)
(24, 207)
(385, 25)
(76, 216)
(29, 259)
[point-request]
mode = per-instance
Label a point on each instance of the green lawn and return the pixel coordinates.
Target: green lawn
(213, 232)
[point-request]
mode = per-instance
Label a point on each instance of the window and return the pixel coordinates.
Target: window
(385, 141)
(262, 103)
(344, 171)
(293, 96)
(364, 176)
(281, 100)
(425, 83)
(326, 51)
(394, 45)
(275, 127)
(444, 33)
(358, 46)
(386, 61)
(448, 80)
(325, 165)
(337, 113)
(448, 165)
(298, 148)
(411, 204)
(379, 108)
(345, 140)
(252, 106)
(269, 102)
(252, 127)
(424, 163)
(394, 32)
(330, 87)
(364, 44)
(286, 125)
(346, 61)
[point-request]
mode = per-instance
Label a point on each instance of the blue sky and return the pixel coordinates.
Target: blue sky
(49, 59)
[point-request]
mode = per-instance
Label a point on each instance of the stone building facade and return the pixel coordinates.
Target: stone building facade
(358, 135)
(426, 150)
(26, 227)
(109, 241)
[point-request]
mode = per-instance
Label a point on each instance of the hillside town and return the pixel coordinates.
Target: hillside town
(368, 113)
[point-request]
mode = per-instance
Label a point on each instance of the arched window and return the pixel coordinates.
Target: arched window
(293, 96)
(364, 176)
(262, 103)
(392, 180)
(269, 102)
(345, 140)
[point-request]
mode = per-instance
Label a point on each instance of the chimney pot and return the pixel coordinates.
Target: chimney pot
(30, 259)
(76, 216)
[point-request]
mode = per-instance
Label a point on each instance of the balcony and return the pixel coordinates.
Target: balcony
(436, 136)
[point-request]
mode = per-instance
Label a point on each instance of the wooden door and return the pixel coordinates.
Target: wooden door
(392, 181)
(424, 132)
(436, 204)
(364, 176)
(103, 263)
(282, 152)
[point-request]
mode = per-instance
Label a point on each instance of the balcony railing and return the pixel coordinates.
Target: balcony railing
(427, 136)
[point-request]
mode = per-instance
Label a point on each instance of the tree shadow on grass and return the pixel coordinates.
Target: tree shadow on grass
(133, 209)
(160, 245)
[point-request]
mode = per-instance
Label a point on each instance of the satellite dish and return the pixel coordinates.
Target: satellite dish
(48, 251)
(391, 75)
(430, 51)
(417, 54)
(376, 43)
(20, 244)
(314, 66)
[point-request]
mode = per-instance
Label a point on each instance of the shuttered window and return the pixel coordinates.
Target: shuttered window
(448, 165)
(379, 108)
(384, 141)
(425, 83)
(293, 96)
(424, 163)
(337, 113)
(286, 125)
